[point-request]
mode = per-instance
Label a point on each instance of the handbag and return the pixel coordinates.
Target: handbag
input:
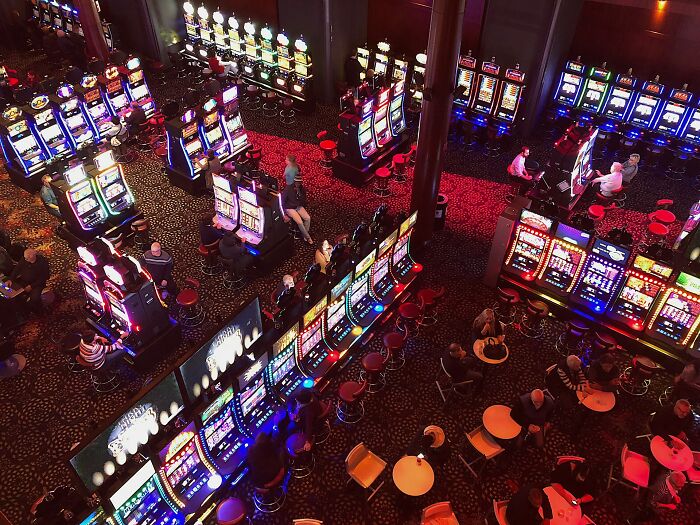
(493, 349)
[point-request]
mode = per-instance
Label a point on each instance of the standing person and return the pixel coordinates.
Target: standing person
(233, 248)
(48, 197)
(353, 71)
(630, 168)
(294, 202)
(306, 412)
(213, 168)
(532, 411)
(525, 505)
(96, 351)
(31, 273)
(292, 171)
(159, 264)
(323, 255)
(460, 367)
(611, 182)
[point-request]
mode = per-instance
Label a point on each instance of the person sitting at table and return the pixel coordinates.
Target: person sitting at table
(524, 507)
(664, 497)
(305, 413)
(687, 383)
(567, 378)
(532, 411)
(31, 273)
(460, 367)
(486, 325)
(672, 420)
(264, 460)
(571, 480)
(603, 374)
(429, 441)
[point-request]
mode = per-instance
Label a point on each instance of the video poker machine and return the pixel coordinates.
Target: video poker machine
(90, 270)
(251, 62)
(90, 96)
(223, 445)
(25, 157)
(363, 57)
(113, 188)
(396, 114)
(232, 121)
(646, 105)
(403, 268)
(302, 80)
(235, 41)
(185, 152)
(383, 283)
(380, 119)
(645, 281)
(314, 354)
(50, 127)
(567, 93)
(206, 35)
(363, 307)
(282, 373)
(78, 123)
(601, 276)
(282, 78)
(466, 76)
(486, 87)
(254, 405)
(357, 143)
(690, 131)
(417, 84)
(137, 88)
(338, 330)
(527, 254)
(213, 131)
(399, 70)
(565, 259)
(191, 27)
(510, 93)
(83, 211)
(268, 57)
(114, 91)
(619, 102)
(381, 59)
(673, 114)
(595, 89)
(226, 201)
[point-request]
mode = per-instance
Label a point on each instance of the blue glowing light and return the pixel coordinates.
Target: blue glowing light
(379, 308)
(307, 383)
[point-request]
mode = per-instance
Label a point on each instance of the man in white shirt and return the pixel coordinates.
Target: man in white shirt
(610, 182)
(517, 167)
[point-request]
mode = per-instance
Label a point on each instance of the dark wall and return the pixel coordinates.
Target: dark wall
(260, 11)
(651, 41)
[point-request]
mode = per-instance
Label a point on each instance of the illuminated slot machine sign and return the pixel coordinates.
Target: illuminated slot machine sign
(77, 24)
(225, 202)
(56, 18)
(234, 37)
(83, 199)
(644, 282)
(337, 327)
(285, 62)
(220, 36)
(252, 49)
(487, 83)
(570, 84)
(619, 102)
(674, 113)
(92, 99)
(403, 267)
(252, 217)
(565, 259)
(582, 169)
(49, 128)
(205, 31)
(95, 301)
(282, 374)
(380, 119)
(396, 115)
(111, 184)
(383, 283)
(191, 22)
(116, 298)
(381, 58)
(363, 55)
(253, 406)
(314, 355)
(233, 123)
(466, 72)
(365, 137)
(601, 276)
(399, 71)
(530, 243)
(647, 105)
(676, 317)
(509, 95)
(594, 90)
(140, 500)
(362, 302)
(72, 113)
(115, 92)
(223, 445)
(185, 470)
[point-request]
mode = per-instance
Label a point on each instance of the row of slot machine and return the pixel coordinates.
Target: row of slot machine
(646, 299)
(214, 125)
(263, 57)
(623, 104)
(57, 127)
(64, 16)
(178, 482)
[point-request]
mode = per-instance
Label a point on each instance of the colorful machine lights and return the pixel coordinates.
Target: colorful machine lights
(418, 267)
(379, 308)
(188, 8)
(356, 331)
(308, 383)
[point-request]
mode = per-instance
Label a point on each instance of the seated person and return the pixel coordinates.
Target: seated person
(611, 182)
(231, 247)
(532, 411)
(209, 230)
(517, 167)
(486, 325)
(135, 118)
(687, 383)
(293, 203)
(117, 134)
(96, 350)
(566, 379)
(264, 460)
(571, 480)
(603, 373)
(287, 283)
(524, 507)
(460, 367)
(630, 168)
(672, 420)
(215, 65)
(31, 273)
(664, 497)
(159, 264)
(429, 441)
(48, 197)
(323, 255)
(5, 240)
(305, 413)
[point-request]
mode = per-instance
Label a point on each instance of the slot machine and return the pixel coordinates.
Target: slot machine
(45, 12)
(186, 155)
(90, 96)
(383, 283)
(36, 12)
(50, 128)
(573, 156)
(213, 132)
(399, 70)
(673, 114)
(77, 121)
(268, 57)
(466, 72)
(362, 305)
(595, 89)
(67, 13)
(646, 106)
(531, 240)
(91, 262)
(232, 121)
(141, 499)
(363, 57)
(644, 283)
(191, 27)
(222, 443)
(114, 91)
(56, 18)
(25, 157)
(261, 224)
(418, 80)
(339, 332)
(77, 24)
(254, 405)
(510, 93)
(487, 84)
(564, 260)
(82, 209)
(403, 267)
(676, 317)
(315, 356)
(285, 64)
(206, 44)
(302, 78)
(251, 61)
(220, 37)
(396, 114)
(185, 470)
(567, 93)
(618, 105)
(357, 143)
(225, 202)
(235, 41)
(112, 187)
(137, 88)
(381, 59)
(601, 276)
(282, 374)
(380, 119)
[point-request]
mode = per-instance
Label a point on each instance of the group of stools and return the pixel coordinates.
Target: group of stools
(401, 164)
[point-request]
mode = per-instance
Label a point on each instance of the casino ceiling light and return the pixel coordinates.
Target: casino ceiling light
(188, 8)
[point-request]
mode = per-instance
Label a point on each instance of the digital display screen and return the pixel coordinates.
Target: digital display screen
(562, 266)
(408, 223)
(310, 339)
(644, 110)
(671, 118)
(527, 251)
(133, 484)
(140, 92)
(636, 298)
(677, 316)
(252, 396)
(484, 97)
(381, 270)
(689, 283)
(691, 131)
(193, 147)
(387, 243)
(400, 250)
(211, 118)
(652, 267)
(314, 312)
(508, 105)
(282, 366)
(336, 312)
(617, 104)
(572, 235)
(612, 253)
(364, 264)
(568, 89)
(342, 285)
(593, 95)
(536, 221)
(284, 341)
(75, 175)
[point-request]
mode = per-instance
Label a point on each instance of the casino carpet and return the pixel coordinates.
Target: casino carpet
(47, 409)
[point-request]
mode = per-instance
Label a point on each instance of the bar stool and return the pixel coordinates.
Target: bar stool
(679, 165)
(104, 379)
(408, 320)
(596, 213)
(269, 106)
(663, 216)
(635, 379)
(429, 299)
(322, 431)
(601, 344)
(493, 141)
(301, 462)
(394, 348)
(253, 157)
(70, 347)
(141, 227)
(287, 113)
(656, 234)
(507, 302)
(233, 276)
(373, 367)
(516, 186)
(232, 511)
(191, 313)
(381, 187)
(351, 408)
(532, 324)
(327, 147)
(619, 197)
(252, 98)
(210, 263)
(571, 340)
(400, 167)
(270, 497)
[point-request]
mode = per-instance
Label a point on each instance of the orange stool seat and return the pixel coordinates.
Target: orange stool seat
(187, 298)
(348, 391)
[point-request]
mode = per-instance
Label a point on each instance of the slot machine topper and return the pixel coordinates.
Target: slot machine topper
(191, 23)
(646, 105)
(381, 59)
(620, 99)
(564, 260)
(206, 34)
(674, 112)
(466, 75)
(285, 63)
(487, 84)
(114, 91)
(676, 317)
(220, 36)
(418, 79)
(234, 38)
(137, 87)
(570, 84)
(595, 89)
(529, 246)
(510, 93)
(601, 276)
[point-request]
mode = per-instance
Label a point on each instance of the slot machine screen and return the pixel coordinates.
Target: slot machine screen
(677, 316)
(52, 133)
(85, 206)
(96, 517)
(652, 267)
(25, 144)
(400, 250)
(194, 146)
(218, 424)
(408, 223)
(603, 271)
(636, 298)
(617, 104)
(610, 252)
(216, 406)
(381, 270)
(593, 95)
(510, 97)
(132, 485)
(644, 110)
(568, 89)
(284, 341)
(465, 79)
(136, 76)
(364, 265)
(691, 131)
(671, 118)
(69, 105)
(572, 235)
(43, 117)
(211, 118)
(282, 367)
(93, 95)
(140, 92)
(387, 243)
(189, 130)
(113, 86)
(214, 135)
(484, 98)
(252, 396)
(536, 221)
(381, 124)
(314, 312)
(120, 101)
(359, 290)
(75, 175)
(365, 131)
(336, 312)
(104, 160)
(342, 285)
(76, 121)
(310, 339)
(18, 128)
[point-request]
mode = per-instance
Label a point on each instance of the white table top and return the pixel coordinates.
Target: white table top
(563, 512)
(412, 476)
(479, 353)
(499, 424)
(598, 401)
(679, 457)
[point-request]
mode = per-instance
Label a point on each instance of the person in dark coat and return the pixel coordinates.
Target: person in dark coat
(31, 273)
(532, 411)
(209, 231)
(264, 460)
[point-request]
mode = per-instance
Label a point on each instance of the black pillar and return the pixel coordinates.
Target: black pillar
(92, 29)
(443, 51)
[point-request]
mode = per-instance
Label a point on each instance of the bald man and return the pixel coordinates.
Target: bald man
(160, 264)
(532, 411)
(31, 274)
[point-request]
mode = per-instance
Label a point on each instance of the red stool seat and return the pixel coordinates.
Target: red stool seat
(204, 251)
(161, 151)
(663, 216)
(158, 120)
(327, 145)
(383, 173)
(427, 296)
(373, 362)
(664, 203)
(399, 158)
(12, 82)
(393, 340)
(656, 228)
(596, 212)
(537, 306)
(509, 295)
(409, 311)
(187, 297)
(348, 391)
(295, 444)
(230, 511)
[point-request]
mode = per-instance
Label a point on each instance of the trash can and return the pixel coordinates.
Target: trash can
(441, 211)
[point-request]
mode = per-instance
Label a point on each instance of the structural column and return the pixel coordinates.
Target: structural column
(92, 29)
(443, 52)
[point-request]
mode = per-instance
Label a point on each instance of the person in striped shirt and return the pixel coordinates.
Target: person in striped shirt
(95, 351)
(567, 378)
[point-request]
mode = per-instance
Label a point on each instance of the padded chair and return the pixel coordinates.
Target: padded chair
(441, 513)
(400, 167)
(252, 101)
(571, 340)
(635, 470)
(381, 186)
(140, 228)
(508, 300)
(635, 379)
(452, 388)
(350, 408)
(301, 462)
(409, 318)
(70, 347)
(104, 379)
(486, 446)
(365, 467)
(532, 325)
(287, 113)
(270, 497)
(394, 347)
(499, 511)
(234, 274)
(373, 371)
(253, 157)
(210, 258)
(430, 299)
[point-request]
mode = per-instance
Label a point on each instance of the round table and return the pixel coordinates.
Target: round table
(598, 401)
(563, 512)
(679, 457)
(479, 353)
(413, 476)
(499, 424)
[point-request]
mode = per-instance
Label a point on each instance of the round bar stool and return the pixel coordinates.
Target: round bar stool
(210, 258)
(619, 197)
(666, 395)
(381, 186)
(408, 320)
(254, 156)
(141, 227)
(70, 347)
(322, 431)
(191, 313)
(679, 164)
(663, 216)
(394, 345)
(253, 98)
(532, 324)
(104, 379)
(373, 367)
(269, 106)
(601, 344)
(429, 299)
(508, 300)
(301, 462)
(350, 408)
(232, 511)
(328, 148)
(400, 166)
(270, 497)
(635, 379)
(656, 234)
(596, 213)
(571, 340)
(287, 113)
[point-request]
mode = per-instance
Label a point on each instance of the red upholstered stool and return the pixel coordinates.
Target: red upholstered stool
(394, 345)
(571, 340)
(656, 234)
(141, 227)
(532, 324)
(400, 166)
(635, 380)
(270, 497)
(301, 462)
(191, 312)
(408, 319)
(13, 82)
(254, 156)
(664, 216)
(322, 429)
(270, 107)
(350, 408)
(664, 204)
(429, 300)
(210, 258)
(381, 188)
(373, 366)
(70, 347)
(508, 300)
(328, 148)
(596, 213)
(231, 511)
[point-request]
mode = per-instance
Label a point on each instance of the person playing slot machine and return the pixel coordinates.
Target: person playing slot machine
(306, 414)
(31, 273)
(135, 118)
(517, 168)
(213, 167)
(294, 202)
(286, 284)
(265, 462)
(611, 182)
(48, 197)
(231, 247)
(323, 255)
(96, 351)
(603, 373)
(159, 264)
(209, 230)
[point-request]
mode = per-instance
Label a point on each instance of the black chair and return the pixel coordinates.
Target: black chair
(234, 273)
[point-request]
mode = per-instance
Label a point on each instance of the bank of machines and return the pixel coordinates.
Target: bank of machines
(94, 104)
(78, 123)
(137, 87)
(25, 157)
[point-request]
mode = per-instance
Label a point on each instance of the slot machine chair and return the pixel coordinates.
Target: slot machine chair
(655, 235)
(532, 324)
(252, 100)
(374, 370)
(11, 363)
(399, 165)
(191, 314)
(409, 318)
(232, 511)
(636, 379)
(328, 149)
(571, 339)
(381, 187)
(394, 348)
(104, 379)
(507, 302)
(253, 157)
(678, 165)
(70, 347)
(271, 497)
(234, 273)
(141, 228)
(210, 263)
(287, 112)
(270, 106)
(429, 299)
(301, 462)
(351, 408)
(596, 213)
(280, 306)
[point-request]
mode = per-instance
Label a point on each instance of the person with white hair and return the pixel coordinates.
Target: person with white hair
(672, 420)
(567, 378)
(31, 274)
(611, 182)
(532, 411)
(664, 497)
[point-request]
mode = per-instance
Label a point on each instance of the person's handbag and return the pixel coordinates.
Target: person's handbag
(493, 349)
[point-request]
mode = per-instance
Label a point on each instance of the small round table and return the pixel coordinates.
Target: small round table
(598, 401)
(563, 512)
(478, 348)
(499, 424)
(413, 476)
(679, 457)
